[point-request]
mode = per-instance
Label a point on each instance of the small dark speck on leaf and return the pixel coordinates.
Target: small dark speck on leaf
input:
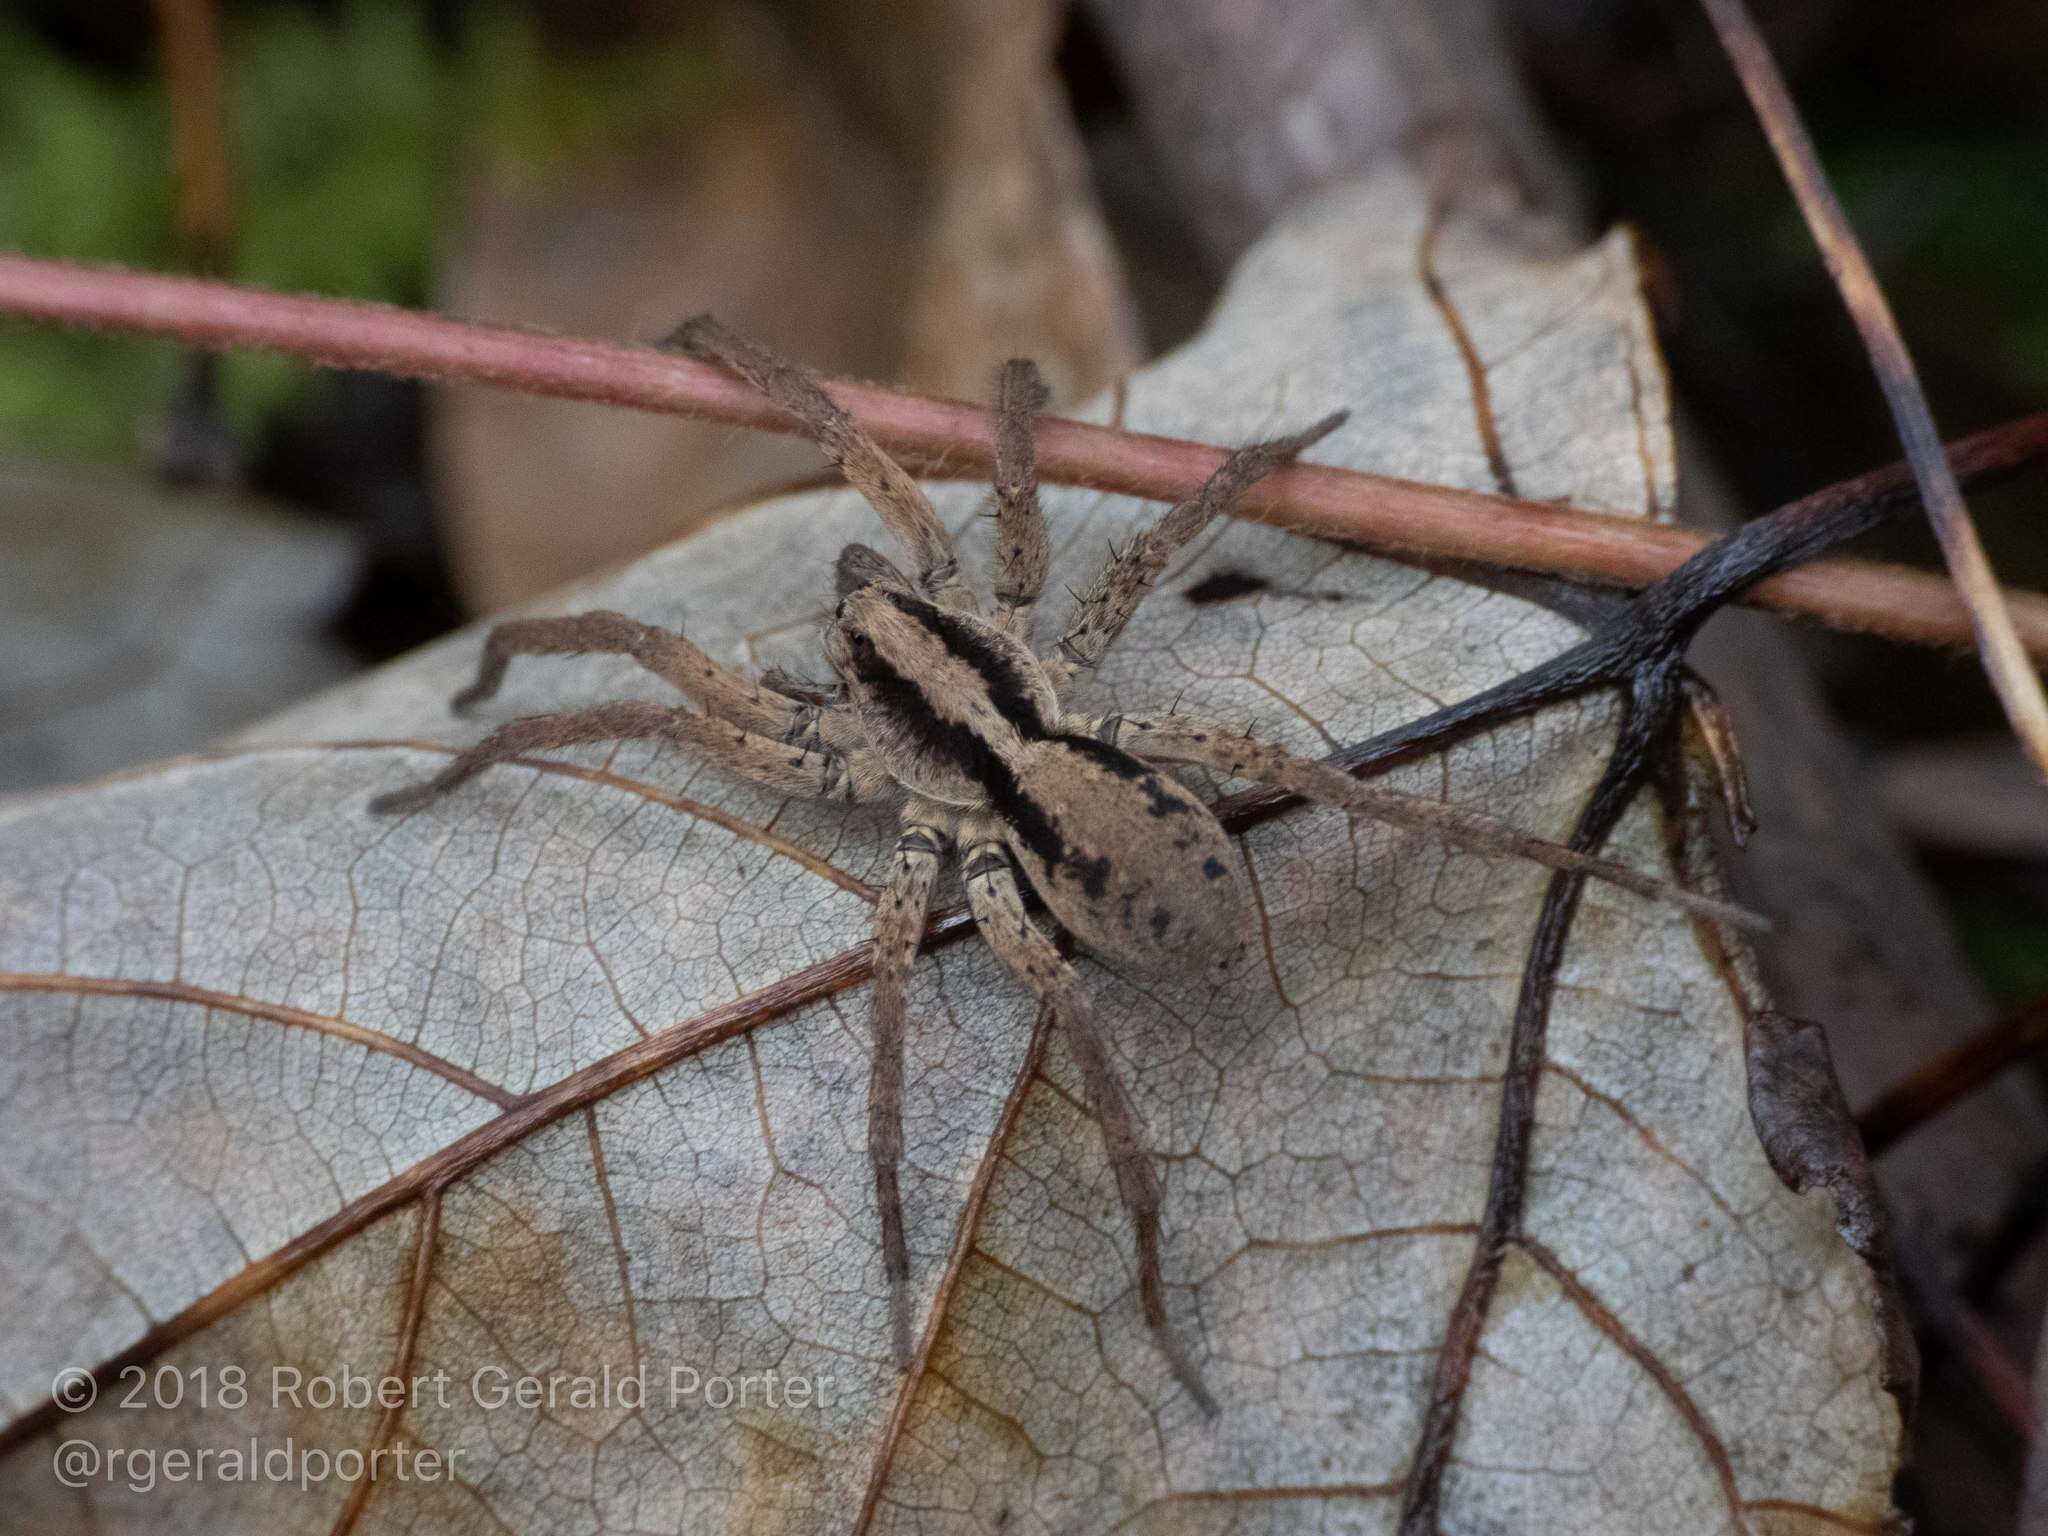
(1225, 585)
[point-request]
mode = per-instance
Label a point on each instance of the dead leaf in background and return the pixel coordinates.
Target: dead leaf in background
(919, 211)
(136, 622)
(1973, 796)
(1014, 257)
(568, 1073)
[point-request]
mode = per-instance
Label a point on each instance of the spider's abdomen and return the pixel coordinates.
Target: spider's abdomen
(1130, 861)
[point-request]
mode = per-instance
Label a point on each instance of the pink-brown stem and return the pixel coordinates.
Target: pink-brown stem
(951, 436)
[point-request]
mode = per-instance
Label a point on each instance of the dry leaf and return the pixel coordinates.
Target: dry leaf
(908, 198)
(567, 1073)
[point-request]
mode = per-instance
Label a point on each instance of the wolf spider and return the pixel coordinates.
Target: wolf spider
(958, 722)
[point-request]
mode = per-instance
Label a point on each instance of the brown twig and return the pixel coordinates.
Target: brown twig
(1998, 641)
(1936, 1086)
(1999, 1247)
(1954, 1328)
(195, 84)
(196, 448)
(954, 436)
(1988, 1363)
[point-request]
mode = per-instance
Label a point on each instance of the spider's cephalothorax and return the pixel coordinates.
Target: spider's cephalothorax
(955, 719)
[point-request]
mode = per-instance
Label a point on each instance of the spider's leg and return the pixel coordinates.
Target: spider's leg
(1022, 546)
(803, 690)
(1230, 751)
(774, 765)
(1028, 955)
(715, 689)
(1107, 605)
(899, 925)
(895, 496)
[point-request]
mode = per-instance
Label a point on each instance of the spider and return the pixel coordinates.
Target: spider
(957, 721)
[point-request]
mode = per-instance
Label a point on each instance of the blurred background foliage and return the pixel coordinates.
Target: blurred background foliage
(354, 120)
(350, 125)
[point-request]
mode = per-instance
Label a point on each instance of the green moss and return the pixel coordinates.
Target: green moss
(349, 133)
(2006, 942)
(1958, 220)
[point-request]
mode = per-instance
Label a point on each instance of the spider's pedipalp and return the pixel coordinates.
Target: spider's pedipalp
(1224, 749)
(715, 689)
(1028, 955)
(1022, 546)
(818, 773)
(897, 499)
(1114, 595)
(859, 566)
(899, 925)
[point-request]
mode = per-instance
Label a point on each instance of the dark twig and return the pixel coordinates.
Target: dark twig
(953, 437)
(1641, 650)
(1652, 707)
(1638, 648)
(1639, 640)
(1998, 641)
(1955, 1075)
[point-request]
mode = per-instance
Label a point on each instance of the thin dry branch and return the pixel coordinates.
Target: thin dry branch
(949, 436)
(1998, 640)
(194, 78)
(1948, 1078)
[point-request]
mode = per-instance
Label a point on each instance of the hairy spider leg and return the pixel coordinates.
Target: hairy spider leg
(899, 926)
(897, 499)
(1023, 549)
(819, 774)
(996, 900)
(1224, 749)
(717, 690)
(1106, 607)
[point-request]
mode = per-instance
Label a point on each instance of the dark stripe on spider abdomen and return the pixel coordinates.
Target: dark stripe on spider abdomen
(1164, 801)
